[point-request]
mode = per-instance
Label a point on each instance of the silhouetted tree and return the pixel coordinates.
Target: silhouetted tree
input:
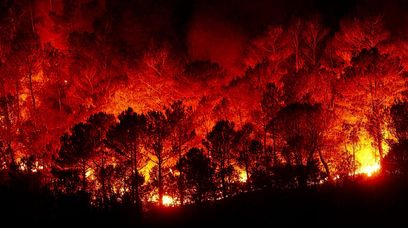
(126, 139)
(100, 123)
(76, 149)
(262, 172)
(399, 116)
(220, 144)
(6, 130)
(198, 173)
(66, 180)
(83, 143)
(158, 131)
(303, 128)
(243, 145)
(396, 161)
(180, 120)
(271, 103)
(53, 67)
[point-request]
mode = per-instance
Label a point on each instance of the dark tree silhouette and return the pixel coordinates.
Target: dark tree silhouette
(126, 139)
(86, 141)
(6, 130)
(100, 123)
(243, 145)
(76, 149)
(271, 103)
(396, 161)
(302, 128)
(198, 173)
(158, 131)
(180, 120)
(220, 144)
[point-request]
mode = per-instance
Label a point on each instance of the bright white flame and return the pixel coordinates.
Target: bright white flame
(369, 170)
(168, 201)
(22, 167)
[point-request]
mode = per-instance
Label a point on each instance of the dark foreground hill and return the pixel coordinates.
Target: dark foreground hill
(371, 202)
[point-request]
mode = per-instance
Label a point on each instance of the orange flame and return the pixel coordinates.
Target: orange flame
(168, 201)
(367, 155)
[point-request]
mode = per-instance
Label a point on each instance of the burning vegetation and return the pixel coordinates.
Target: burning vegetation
(102, 98)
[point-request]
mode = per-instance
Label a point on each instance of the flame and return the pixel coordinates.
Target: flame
(90, 174)
(369, 170)
(37, 167)
(243, 176)
(145, 171)
(168, 201)
(22, 167)
(367, 155)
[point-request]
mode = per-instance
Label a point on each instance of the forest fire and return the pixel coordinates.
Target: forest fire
(368, 162)
(147, 105)
(367, 157)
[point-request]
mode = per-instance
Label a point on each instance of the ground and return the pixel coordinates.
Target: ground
(377, 201)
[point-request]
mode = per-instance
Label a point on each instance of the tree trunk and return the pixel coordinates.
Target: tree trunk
(247, 172)
(59, 98)
(8, 124)
(83, 175)
(18, 100)
(325, 165)
(379, 144)
(354, 160)
(132, 186)
(136, 176)
(104, 197)
(275, 157)
(223, 182)
(296, 46)
(264, 139)
(30, 78)
(160, 180)
(297, 59)
(181, 184)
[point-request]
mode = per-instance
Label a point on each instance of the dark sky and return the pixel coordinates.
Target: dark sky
(252, 15)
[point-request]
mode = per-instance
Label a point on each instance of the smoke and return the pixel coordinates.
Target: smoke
(211, 38)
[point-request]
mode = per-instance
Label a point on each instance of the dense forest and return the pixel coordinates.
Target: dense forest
(131, 106)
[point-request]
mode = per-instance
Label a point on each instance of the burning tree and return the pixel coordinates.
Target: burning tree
(304, 102)
(126, 138)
